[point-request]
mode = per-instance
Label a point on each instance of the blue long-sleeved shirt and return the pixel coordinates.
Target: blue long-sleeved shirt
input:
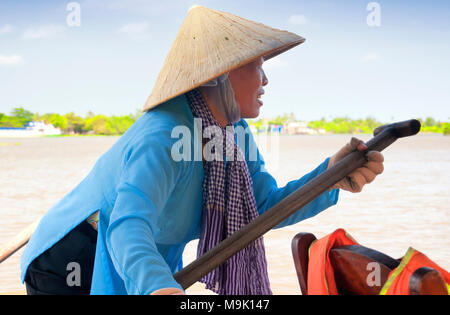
(150, 203)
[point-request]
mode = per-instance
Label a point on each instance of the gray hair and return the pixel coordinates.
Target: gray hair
(222, 94)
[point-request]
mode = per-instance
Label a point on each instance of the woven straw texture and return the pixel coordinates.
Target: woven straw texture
(211, 43)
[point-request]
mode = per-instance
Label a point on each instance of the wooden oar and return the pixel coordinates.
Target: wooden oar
(384, 136)
(17, 242)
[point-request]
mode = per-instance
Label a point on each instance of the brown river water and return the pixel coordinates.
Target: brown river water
(407, 205)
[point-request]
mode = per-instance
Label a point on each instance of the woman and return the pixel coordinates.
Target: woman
(144, 205)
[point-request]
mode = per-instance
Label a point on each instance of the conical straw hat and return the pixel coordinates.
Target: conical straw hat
(211, 43)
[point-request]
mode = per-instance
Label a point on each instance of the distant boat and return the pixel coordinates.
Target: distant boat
(32, 129)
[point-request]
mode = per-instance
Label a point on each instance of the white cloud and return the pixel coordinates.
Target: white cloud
(7, 28)
(370, 57)
(44, 32)
(135, 30)
(10, 60)
(298, 19)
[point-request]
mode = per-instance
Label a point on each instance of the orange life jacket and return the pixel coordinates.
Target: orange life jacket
(321, 279)
(320, 272)
(399, 278)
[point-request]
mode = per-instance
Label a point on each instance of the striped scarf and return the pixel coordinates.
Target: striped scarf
(229, 205)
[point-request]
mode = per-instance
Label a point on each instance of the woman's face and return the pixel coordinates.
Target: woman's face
(247, 82)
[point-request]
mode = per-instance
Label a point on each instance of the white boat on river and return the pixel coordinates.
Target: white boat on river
(32, 129)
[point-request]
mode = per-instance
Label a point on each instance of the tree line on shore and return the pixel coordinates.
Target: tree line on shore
(346, 125)
(116, 125)
(72, 124)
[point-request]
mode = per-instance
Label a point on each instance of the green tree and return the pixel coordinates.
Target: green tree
(22, 116)
(58, 121)
(446, 128)
(75, 123)
(55, 119)
(120, 124)
(100, 125)
(346, 125)
(429, 122)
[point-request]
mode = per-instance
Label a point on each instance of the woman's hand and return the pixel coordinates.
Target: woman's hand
(355, 181)
(168, 291)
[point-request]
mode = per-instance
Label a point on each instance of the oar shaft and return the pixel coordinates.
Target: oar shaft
(291, 204)
(17, 242)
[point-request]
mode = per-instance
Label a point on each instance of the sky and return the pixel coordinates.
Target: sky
(386, 59)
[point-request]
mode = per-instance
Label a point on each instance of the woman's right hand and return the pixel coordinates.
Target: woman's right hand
(355, 181)
(168, 291)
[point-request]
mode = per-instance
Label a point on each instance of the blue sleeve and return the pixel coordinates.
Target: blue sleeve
(148, 178)
(267, 193)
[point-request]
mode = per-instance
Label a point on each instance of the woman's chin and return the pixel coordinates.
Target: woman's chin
(250, 115)
(251, 112)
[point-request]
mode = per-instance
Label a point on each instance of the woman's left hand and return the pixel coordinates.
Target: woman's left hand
(355, 181)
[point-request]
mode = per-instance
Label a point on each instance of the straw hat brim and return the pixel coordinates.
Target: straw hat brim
(211, 43)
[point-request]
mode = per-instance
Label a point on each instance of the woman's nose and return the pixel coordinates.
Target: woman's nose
(265, 81)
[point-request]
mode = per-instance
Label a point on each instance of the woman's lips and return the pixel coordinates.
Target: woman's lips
(258, 98)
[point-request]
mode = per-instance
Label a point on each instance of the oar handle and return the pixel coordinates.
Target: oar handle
(400, 129)
(384, 136)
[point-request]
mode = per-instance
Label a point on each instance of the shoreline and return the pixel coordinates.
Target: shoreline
(255, 134)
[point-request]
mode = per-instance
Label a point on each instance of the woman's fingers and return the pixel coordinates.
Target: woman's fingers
(375, 167)
(368, 174)
(375, 156)
(357, 181)
(356, 143)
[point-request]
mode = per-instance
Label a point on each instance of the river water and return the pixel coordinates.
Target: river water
(407, 205)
